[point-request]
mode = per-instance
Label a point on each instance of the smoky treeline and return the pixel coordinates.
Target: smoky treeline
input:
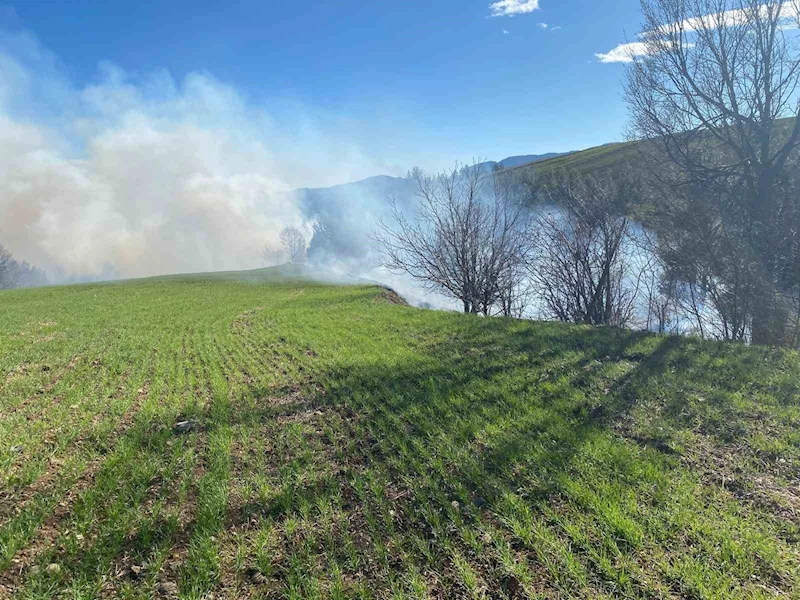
(18, 274)
(700, 235)
(499, 243)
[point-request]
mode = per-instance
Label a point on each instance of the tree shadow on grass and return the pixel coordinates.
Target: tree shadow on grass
(499, 391)
(500, 408)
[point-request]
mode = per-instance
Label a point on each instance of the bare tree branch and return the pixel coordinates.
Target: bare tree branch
(467, 239)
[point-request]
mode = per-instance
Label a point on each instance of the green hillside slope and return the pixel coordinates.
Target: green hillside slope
(220, 435)
(610, 156)
(589, 161)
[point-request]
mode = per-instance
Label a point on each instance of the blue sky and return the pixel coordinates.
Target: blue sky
(437, 80)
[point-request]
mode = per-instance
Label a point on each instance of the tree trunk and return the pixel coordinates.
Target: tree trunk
(769, 319)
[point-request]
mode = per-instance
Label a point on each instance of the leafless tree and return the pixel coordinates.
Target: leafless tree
(683, 292)
(711, 96)
(659, 292)
(272, 256)
(294, 243)
(15, 274)
(583, 269)
(7, 274)
(29, 276)
(467, 239)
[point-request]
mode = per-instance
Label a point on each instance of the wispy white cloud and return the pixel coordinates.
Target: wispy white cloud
(731, 18)
(626, 53)
(506, 32)
(542, 25)
(509, 8)
(556, 28)
(623, 53)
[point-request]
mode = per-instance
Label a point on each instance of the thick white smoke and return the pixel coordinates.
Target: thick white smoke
(134, 176)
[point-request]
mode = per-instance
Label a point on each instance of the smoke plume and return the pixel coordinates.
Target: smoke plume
(136, 175)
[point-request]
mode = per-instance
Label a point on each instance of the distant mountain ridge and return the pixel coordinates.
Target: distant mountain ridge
(389, 182)
(517, 161)
(346, 214)
(513, 162)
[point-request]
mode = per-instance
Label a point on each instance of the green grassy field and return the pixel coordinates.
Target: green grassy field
(350, 447)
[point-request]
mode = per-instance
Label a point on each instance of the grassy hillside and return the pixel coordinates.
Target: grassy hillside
(339, 445)
(609, 157)
(589, 161)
